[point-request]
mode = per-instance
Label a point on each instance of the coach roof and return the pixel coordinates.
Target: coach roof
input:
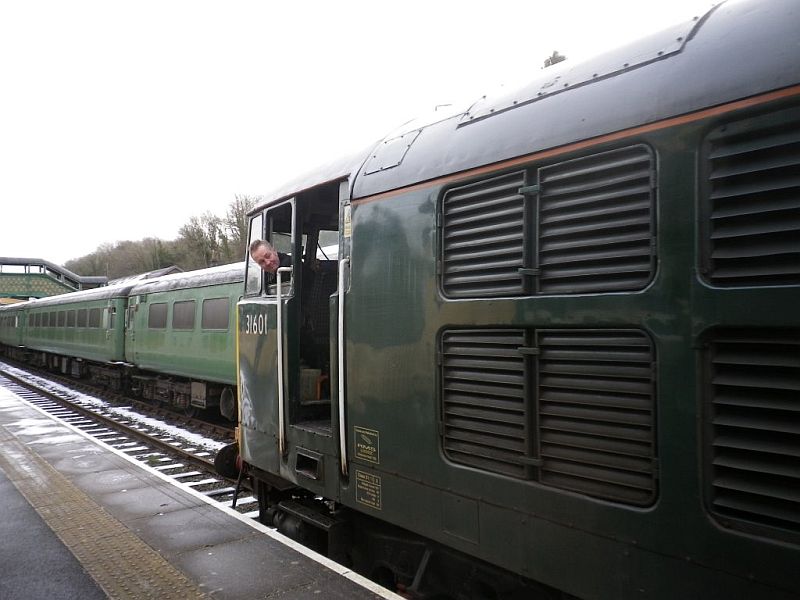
(233, 273)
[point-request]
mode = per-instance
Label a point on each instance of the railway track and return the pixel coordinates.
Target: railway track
(185, 456)
(215, 430)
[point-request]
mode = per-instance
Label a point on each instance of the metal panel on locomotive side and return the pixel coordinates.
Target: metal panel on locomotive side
(601, 462)
(257, 352)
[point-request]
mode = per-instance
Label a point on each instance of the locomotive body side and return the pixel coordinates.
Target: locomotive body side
(562, 338)
(583, 417)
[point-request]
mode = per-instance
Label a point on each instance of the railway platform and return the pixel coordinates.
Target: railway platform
(81, 520)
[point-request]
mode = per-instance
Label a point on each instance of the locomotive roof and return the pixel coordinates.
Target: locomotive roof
(233, 273)
(736, 50)
(334, 170)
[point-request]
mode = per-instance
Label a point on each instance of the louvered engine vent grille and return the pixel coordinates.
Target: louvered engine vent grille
(482, 235)
(485, 415)
(597, 413)
(753, 397)
(596, 223)
(586, 226)
(753, 187)
(575, 411)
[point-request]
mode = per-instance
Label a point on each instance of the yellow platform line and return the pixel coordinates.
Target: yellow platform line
(121, 564)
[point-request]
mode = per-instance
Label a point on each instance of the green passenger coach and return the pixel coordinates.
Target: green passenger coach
(13, 321)
(168, 339)
(556, 353)
(182, 325)
(71, 330)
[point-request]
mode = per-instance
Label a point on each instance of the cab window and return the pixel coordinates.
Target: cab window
(253, 278)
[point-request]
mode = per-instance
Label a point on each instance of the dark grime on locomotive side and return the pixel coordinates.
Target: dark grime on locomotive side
(168, 339)
(556, 353)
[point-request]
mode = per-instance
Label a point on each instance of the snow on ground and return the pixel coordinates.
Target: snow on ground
(193, 439)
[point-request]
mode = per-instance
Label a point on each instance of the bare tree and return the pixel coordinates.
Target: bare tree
(236, 224)
(203, 240)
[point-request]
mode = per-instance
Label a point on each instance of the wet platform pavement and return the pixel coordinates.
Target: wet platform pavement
(81, 520)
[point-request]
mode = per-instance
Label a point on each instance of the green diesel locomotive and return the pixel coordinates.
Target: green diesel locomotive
(556, 354)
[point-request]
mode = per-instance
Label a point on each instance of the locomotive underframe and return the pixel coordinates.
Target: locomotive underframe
(392, 556)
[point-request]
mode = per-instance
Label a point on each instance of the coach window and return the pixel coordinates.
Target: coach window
(70, 318)
(215, 313)
(183, 314)
(62, 318)
(53, 319)
(253, 280)
(81, 317)
(95, 317)
(157, 317)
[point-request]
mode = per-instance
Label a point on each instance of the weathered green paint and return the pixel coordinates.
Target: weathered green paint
(395, 313)
(207, 355)
(100, 344)
(258, 394)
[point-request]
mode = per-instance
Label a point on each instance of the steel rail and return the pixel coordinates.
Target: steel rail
(196, 461)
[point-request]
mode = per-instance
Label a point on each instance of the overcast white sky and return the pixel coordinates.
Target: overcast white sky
(121, 120)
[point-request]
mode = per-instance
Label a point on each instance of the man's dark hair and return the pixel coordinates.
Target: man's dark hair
(257, 243)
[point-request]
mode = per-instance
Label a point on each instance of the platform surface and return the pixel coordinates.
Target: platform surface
(34, 563)
(82, 520)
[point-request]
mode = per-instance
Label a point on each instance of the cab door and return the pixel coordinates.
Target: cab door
(267, 346)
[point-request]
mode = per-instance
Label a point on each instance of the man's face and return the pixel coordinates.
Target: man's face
(267, 259)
